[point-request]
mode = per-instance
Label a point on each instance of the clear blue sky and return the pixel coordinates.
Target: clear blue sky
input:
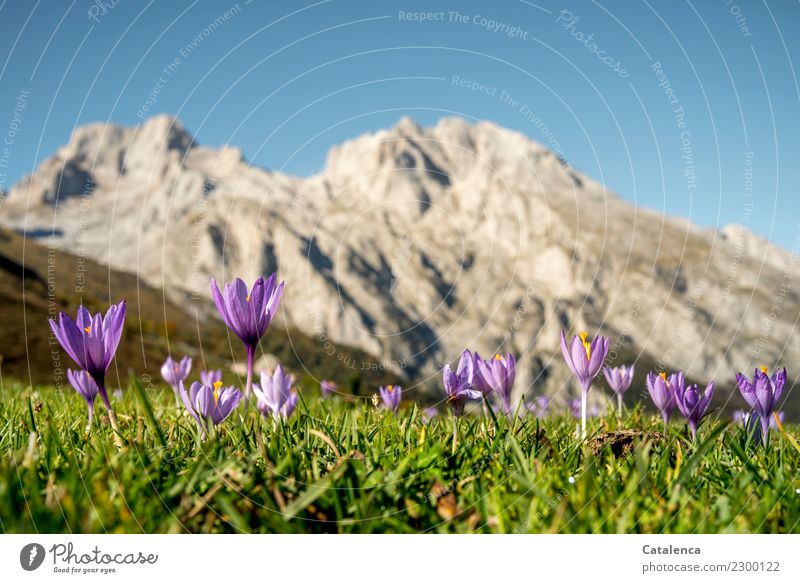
(286, 80)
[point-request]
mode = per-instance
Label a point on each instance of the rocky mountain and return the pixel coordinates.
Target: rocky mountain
(414, 243)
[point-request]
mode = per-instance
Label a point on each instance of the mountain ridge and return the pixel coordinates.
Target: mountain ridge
(413, 243)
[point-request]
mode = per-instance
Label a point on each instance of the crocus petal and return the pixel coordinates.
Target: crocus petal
(168, 371)
(186, 367)
(449, 380)
(233, 302)
(747, 389)
(707, 396)
(487, 375)
(84, 318)
(511, 371)
(779, 382)
(219, 301)
(84, 384)
(71, 339)
(466, 365)
(567, 355)
(599, 350)
(764, 395)
(579, 359)
(204, 403)
(471, 394)
(255, 303)
(228, 400)
(189, 403)
(612, 377)
(95, 349)
(290, 405)
(209, 377)
(273, 300)
(113, 324)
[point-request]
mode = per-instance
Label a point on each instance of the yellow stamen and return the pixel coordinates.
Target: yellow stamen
(764, 369)
(586, 346)
(217, 386)
(88, 329)
(498, 357)
(663, 375)
(390, 388)
(247, 299)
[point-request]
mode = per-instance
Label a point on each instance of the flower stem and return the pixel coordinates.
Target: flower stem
(619, 404)
(455, 434)
(251, 350)
(89, 422)
(583, 414)
(764, 430)
(111, 416)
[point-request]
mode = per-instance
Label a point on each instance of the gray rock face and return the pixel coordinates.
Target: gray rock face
(415, 243)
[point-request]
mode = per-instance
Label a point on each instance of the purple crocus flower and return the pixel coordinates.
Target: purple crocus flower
(209, 406)
(498, 374)
(538, 407)
(84, 384)
(174, 373)
(428, 414)
(663, 391)
(248, 313)
(459, 385)
(619, 378)
(762, 394)
(210, 377)
(752, 422)
(749, 421)
(327, 387)
(584, 359)
(91, 341)
(740, 416)
(773, 423)
(693, 405)
(391, 396)
(275, 395)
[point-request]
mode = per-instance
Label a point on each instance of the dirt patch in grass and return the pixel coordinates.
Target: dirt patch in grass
(622, 442)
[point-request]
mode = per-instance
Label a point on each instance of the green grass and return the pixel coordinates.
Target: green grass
(343, 466)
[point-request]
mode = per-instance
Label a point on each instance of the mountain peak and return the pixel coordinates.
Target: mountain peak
(165, 130)
(452, 147)
(408, 126)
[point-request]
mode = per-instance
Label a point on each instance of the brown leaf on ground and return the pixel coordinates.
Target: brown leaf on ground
(473, 520)
(438, 490)
(446, 506)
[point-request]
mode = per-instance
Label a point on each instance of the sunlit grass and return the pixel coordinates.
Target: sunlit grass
(340, 466)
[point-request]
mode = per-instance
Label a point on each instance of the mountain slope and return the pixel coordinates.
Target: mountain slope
(416, 242)
(37, 282)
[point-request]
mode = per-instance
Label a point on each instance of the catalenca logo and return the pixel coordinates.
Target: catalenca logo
(31, 556)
